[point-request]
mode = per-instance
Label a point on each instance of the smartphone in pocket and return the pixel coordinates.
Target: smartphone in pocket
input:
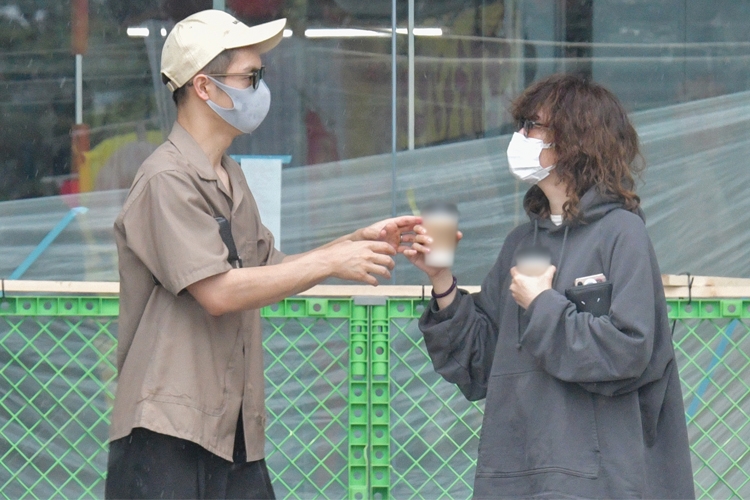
(590, 280)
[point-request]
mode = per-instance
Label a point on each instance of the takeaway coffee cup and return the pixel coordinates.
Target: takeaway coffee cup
(533, 261)
(441, 222)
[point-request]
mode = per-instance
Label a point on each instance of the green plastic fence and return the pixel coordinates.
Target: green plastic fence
(355, 409)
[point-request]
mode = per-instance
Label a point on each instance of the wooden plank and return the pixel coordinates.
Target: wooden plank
(707, 292)
(113, 288)
(403, 291)
(700, 281)
(61, 287)
(675, 287)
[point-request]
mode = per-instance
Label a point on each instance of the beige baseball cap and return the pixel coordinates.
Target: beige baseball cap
(197, 39)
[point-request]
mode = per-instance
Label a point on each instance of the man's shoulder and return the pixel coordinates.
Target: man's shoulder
(163, 164)
(167, 161)
(164, 159)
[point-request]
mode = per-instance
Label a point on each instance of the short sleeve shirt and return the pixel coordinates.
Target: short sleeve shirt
(183, 372)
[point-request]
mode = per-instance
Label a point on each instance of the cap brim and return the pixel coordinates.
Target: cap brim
(263, 37)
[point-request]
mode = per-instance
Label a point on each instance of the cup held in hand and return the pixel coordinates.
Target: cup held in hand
(441, 222)
(533, 261)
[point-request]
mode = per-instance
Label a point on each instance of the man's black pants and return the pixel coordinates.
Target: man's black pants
(147, 464)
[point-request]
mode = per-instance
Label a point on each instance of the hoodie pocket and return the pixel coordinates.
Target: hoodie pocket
(535, 424)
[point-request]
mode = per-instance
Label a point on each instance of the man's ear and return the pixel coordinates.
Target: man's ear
(200, 84)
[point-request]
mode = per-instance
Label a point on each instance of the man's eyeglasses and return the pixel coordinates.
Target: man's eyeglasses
(528, 125)
(254, 77)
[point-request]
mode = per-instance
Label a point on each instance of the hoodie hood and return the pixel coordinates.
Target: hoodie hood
(593, 206)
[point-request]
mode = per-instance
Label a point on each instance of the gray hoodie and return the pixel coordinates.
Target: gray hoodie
(577, 406)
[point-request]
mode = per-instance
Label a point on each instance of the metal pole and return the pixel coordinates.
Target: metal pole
(394, 96)
(561, 34)
(411, 74)
(79, 133)
(79, 89)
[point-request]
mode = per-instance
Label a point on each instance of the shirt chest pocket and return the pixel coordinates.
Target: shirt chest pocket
(249, 253)
(250, 238)
(247, 250)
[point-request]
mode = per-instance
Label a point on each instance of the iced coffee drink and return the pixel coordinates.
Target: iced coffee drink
(441, 222)
(533, 261)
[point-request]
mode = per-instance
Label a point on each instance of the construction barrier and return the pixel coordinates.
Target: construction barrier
(355, 409)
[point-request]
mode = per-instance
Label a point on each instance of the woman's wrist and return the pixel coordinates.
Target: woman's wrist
(442, 282)
(446, 293)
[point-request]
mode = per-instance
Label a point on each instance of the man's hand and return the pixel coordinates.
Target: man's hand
(360, 260)
(526, 288)
(392, 231)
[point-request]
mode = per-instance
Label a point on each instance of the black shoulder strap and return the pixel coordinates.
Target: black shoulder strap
(225, 231)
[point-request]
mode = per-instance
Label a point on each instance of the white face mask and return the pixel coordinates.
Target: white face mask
(250, 106)
(523, 158)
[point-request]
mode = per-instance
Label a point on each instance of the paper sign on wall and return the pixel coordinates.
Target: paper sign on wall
(263, 174)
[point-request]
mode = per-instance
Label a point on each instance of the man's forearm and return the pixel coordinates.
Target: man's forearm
(256, 287)
(351, 237)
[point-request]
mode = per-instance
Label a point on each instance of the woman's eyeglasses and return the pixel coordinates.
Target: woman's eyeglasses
(254, 77)
(528, 125)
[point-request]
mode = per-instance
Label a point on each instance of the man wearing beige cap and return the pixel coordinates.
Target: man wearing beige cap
(196, 264)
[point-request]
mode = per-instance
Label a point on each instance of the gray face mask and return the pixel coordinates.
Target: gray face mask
(250, 106)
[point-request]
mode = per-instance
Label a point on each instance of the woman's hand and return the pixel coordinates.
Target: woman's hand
(420, 245)
(526, 288)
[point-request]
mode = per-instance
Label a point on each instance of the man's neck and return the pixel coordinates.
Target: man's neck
(213, 140)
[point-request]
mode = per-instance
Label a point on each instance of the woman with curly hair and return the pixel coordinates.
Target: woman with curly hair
(576, 362)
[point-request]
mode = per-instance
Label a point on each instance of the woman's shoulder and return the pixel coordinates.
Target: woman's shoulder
(626, 218)
(624, 223)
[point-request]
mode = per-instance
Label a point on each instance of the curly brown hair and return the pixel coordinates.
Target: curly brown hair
(595, 143)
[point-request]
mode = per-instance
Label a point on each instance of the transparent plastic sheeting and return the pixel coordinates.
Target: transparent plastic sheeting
(693, 198)
(694, 194)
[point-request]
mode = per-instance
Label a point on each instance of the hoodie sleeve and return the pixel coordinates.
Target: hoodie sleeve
(606, 353)
(461, 338)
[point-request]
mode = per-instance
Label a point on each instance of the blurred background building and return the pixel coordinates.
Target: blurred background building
(380, 106)
(74, 125)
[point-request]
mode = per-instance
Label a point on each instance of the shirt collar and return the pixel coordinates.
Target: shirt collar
(192, 152)
(195, 156)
